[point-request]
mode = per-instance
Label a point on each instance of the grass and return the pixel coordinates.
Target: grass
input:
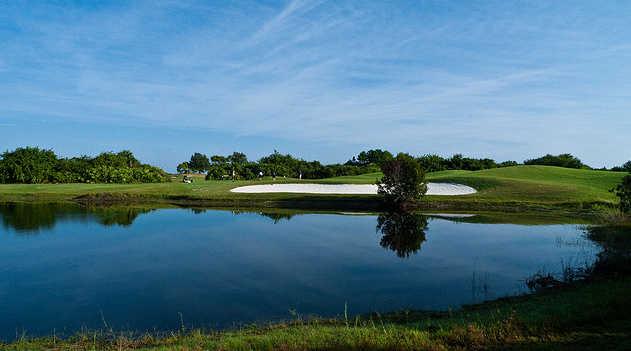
(533, 187)
(581, 317)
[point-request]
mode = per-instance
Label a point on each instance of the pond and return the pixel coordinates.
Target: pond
(64, 267)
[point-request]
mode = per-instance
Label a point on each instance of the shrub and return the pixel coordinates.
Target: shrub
(623, 191)
(624, 168)
(27, 165)
(33, 165)
(403, 180)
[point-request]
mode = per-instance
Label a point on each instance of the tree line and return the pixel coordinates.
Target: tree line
(237, 166)
(33, 165)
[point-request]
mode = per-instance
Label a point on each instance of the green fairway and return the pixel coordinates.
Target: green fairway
(541, 184)
(523, 185)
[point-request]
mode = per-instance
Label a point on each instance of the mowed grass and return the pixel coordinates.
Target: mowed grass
(537, 184)
(521, 184)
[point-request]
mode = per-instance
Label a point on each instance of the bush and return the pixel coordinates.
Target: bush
(435, 163)
(563, 160)
(624, 168)
(403, 180)
(623, 191)
(27, 165)
(33, 165)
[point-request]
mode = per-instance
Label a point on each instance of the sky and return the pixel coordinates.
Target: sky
(317, 79)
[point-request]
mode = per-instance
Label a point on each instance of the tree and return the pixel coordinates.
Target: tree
(199, 163)
(183, 168)
(403, 180)
(237, 158)
(375, 156)
(623, 191)
(432, 163)
(218, 159)
(627, 166)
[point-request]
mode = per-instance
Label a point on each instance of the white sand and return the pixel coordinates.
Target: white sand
(432, 189)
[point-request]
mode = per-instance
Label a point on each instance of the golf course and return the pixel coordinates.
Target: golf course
(517, 187)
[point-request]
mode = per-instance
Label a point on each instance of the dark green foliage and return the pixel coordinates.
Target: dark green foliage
(33, 165)
(279, 165)
(199, 163)
(403, 180)
(27, 165)
(623, 192)
(563, 160)
(508, 164)
(624, 168)
(402, 232)
(235, 166)
(118, 160)
(183, 168)
(434, 163)
(238, 158)
(218, 159)
(375, 157)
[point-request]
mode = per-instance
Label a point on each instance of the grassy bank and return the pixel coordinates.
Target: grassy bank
(520, 187)
(584, 316)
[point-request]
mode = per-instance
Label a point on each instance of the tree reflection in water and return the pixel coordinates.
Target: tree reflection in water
(27, 218)
(403, 232)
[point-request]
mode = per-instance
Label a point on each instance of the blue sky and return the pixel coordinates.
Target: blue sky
(319, 79)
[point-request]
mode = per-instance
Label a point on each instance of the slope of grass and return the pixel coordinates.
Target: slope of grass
(537, 183)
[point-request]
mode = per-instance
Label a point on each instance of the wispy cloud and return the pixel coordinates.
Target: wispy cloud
(423, 77)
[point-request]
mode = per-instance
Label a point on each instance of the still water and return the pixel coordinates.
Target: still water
(64, 268)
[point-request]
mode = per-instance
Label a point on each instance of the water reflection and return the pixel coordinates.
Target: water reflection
(275, 215)
(33, 218)
(219, 268)
(403, 232)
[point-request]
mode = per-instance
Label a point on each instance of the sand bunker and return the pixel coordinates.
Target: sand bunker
(432, 189)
